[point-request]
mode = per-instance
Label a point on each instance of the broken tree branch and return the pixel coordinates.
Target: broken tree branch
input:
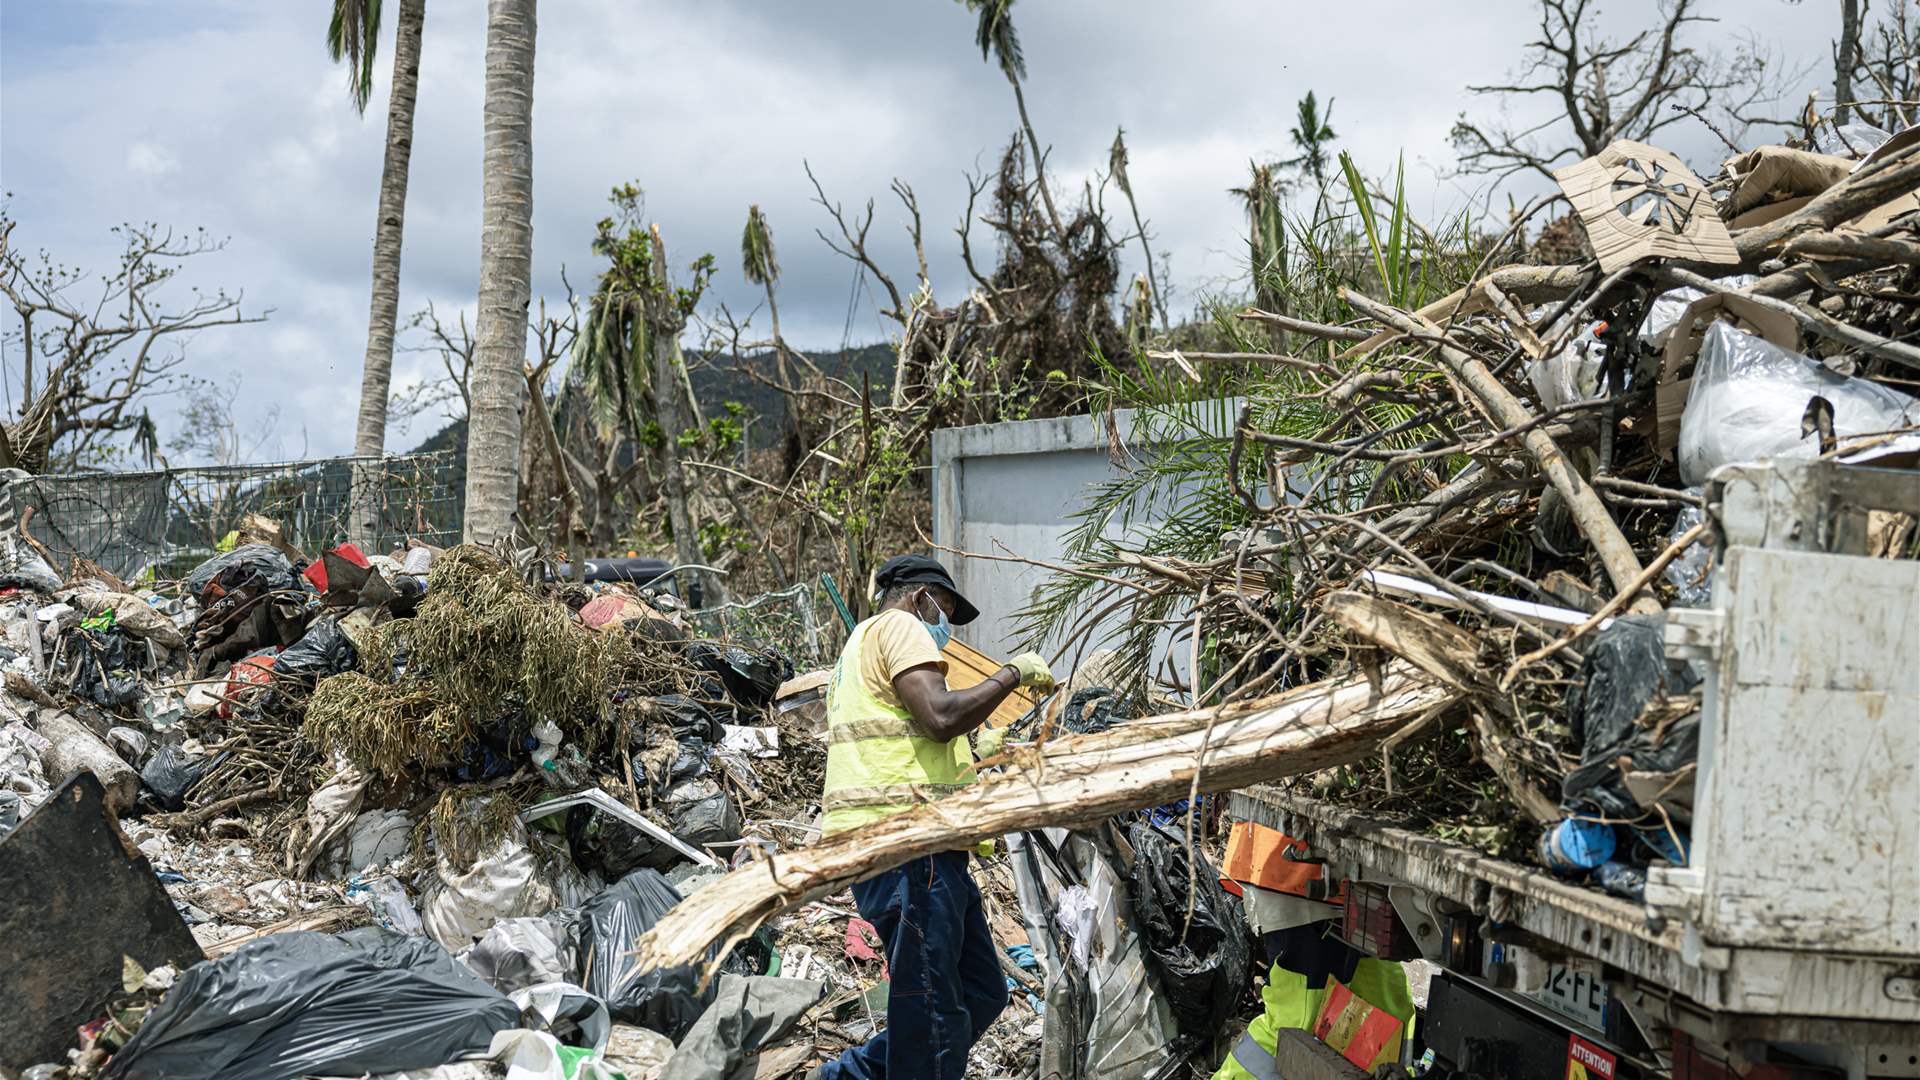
(1077, 781)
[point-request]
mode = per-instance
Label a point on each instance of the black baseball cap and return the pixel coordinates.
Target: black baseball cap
(920, 570)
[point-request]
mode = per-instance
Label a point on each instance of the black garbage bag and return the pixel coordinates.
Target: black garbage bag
(688, 718)
(690, 763)
(1203, 965)
(750, 676)
(103, 673)
(249, 565)
(322, 651)
(614, 849)
(1095, 709)
(301, 1003)
(1626, 669)
(701, 813)
(170, 774)
(665, 1000)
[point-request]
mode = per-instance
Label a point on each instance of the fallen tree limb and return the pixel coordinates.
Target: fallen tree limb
(1302, 326)
(1589, 513)
(1077, 781)
(1813, 320)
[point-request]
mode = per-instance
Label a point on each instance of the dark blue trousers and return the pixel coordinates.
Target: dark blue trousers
(947, 985)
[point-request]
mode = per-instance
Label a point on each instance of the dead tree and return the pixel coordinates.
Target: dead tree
(88, 367)
(1602, 90)
(1887, 68)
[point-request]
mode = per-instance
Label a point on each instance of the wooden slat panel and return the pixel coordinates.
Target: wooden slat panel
(967, 666)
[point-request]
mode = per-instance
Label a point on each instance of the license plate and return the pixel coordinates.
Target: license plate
(1576, 993)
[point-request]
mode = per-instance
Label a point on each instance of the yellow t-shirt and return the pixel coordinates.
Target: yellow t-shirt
(895, 642)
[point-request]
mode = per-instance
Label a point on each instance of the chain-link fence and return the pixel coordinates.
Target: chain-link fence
(799, 621)
(169, 520)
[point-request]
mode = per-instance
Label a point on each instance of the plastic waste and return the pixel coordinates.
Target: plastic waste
(1571, 375)
(103, 673)
(374, 838)
(747, 1013)
(23, 567)
(701, 813)
(504, 883)
(517, 953)
(1075, 919)
(255, 565)
(1203, 962)
(1853, 139)
(688, 718)
(1095, 708)
(132, 614)
(171, 772)
(1576, 845)
(536, 1055)
(300, 1003)
(322, 651)
(566, 1012)
(547, 735)
(666, 1000)
(1690, 572)
(1749, 397)
(1626, 668)
(750, 676)
(388, 900)
(1622, 880)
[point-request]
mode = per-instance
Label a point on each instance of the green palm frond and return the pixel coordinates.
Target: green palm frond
(995, 35)
(353, 34)
(757, 259)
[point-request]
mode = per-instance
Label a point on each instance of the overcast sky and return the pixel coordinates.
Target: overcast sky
(227, 114)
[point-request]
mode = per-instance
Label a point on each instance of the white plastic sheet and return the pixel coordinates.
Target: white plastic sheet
(502, 884)
(1748, 398)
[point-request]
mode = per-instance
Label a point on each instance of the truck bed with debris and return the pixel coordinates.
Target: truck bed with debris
(1792, 934)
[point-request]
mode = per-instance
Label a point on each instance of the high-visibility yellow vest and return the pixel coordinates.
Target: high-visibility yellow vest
(878, 763)
(1289, 1003)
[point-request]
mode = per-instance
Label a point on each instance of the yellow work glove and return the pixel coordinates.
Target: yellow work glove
(1034, 672)
(988, 742)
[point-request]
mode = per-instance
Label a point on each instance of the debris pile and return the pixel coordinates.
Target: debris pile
(1503, 489)
(364, 814)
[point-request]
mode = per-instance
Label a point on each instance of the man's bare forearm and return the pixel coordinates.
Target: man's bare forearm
(949, 714)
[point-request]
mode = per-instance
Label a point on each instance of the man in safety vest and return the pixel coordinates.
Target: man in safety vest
(897, 738)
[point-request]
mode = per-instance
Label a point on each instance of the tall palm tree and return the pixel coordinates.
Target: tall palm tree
(1311, 133)
(506, 269)
(353, 35)
(999, 42)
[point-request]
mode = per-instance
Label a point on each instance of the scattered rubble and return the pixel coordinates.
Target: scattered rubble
(376, 813)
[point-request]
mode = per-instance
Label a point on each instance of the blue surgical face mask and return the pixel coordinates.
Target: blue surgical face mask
(942, 632)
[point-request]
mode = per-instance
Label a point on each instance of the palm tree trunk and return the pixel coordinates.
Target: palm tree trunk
(663, 345)
(1039, 169)
(506, 268)
(1153, 279)
(789, 406)
(376, 373)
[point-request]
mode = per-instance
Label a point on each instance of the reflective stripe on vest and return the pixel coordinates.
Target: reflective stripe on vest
(877, 763)
(1255, 1060)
